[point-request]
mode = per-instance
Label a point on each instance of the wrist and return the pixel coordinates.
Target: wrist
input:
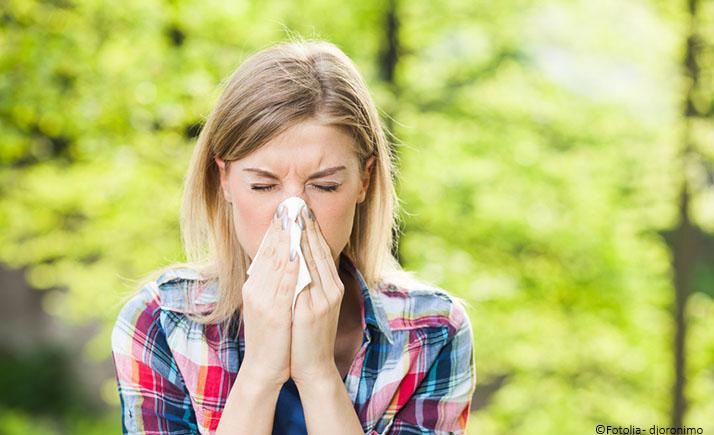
(257, 379)
(321, 379)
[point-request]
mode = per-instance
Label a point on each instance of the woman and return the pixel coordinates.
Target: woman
(204, 347)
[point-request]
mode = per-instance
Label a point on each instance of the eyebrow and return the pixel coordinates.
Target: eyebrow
(318, 174)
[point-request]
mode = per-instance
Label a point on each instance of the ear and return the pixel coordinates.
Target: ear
(224, 179)
(369, 165)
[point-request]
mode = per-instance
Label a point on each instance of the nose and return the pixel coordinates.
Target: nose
(295, 192)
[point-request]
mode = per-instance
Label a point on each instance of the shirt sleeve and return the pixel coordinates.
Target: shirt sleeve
(153, 396)
(441, 402)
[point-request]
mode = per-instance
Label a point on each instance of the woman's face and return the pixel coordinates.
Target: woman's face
(311, 160)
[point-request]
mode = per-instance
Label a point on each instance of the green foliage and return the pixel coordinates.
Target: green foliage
(14, 422)
(37, 381)
(539, 170)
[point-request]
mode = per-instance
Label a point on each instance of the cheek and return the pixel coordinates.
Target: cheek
(335, 217)
(251, 219)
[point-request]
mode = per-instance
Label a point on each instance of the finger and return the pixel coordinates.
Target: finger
(282, 244)
(315, 286)
(266, 248)
(326, 249)
(266, 256)
(323, 260)
(311, 248)
(306, 295)
(288, 277)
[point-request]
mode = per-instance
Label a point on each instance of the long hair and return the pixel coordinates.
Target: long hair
(270, 91)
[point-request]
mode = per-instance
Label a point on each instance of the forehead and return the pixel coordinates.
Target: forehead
(306, 143)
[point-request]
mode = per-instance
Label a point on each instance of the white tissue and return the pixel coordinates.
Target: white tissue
(292, 208)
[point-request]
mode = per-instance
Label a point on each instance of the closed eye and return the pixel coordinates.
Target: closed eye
(267, 187)
(256, 187)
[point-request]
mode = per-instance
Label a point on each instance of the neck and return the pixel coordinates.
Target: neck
(349, 308)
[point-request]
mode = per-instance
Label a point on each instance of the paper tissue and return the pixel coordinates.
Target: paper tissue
(292, 208)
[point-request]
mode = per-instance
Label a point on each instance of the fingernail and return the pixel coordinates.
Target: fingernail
(293, 254)
(279, 212)
(301, 222)
(285, 221)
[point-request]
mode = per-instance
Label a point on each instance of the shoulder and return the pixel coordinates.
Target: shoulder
(140, 312)
(167, 296)
(432, 324)
(412, 304)
(143, 352)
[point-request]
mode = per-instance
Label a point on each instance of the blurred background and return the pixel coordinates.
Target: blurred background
(556, 165)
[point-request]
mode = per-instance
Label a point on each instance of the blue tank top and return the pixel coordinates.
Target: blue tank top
(289, 417)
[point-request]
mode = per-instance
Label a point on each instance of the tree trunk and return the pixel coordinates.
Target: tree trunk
(388, 59)
(684, 241)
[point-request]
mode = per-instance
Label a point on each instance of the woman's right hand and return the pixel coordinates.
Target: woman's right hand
(267, 302)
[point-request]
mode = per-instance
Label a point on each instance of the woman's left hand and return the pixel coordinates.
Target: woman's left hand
(317, 310)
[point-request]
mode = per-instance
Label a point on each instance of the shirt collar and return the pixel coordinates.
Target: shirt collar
(373, 312)
(174, 294)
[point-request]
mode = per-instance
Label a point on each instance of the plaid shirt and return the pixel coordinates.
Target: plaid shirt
(415, 372)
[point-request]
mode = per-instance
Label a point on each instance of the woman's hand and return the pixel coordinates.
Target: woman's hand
(317, 309)
(267, 301)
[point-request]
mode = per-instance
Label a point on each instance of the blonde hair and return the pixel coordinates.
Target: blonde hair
(270, 91)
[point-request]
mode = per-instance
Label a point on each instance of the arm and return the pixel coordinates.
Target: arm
(327, 407)
(250, 407)
(153, 397)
